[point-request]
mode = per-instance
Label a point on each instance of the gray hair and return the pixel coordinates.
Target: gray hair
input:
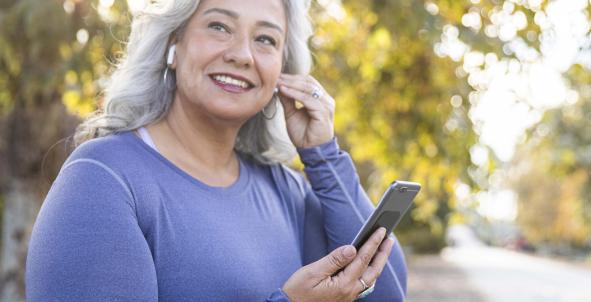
(136, 95)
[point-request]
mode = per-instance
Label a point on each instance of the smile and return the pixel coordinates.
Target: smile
(231, 83)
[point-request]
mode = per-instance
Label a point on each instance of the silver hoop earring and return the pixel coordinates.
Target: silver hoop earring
(165, 73)
(274, 112)
(169, 79)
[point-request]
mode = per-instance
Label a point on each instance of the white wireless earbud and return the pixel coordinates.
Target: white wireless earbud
(170, 57)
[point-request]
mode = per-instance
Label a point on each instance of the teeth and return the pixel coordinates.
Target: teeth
(231, 81)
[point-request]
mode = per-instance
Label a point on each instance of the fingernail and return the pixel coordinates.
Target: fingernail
(349, 252)
(390, 241)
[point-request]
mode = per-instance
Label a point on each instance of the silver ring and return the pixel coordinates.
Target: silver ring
(316, 94)
(366, 292)
(364, 284)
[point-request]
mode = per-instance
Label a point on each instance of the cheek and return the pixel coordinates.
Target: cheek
(271, 68)
(195, 61)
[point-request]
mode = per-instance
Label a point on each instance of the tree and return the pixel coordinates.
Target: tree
(554, 173)
(52, 53)
(394, 105)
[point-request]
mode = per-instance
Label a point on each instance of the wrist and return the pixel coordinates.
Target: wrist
(320, 153)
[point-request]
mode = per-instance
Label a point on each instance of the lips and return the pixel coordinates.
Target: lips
(231, 82)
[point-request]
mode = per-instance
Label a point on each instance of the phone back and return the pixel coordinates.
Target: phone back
(392, 207)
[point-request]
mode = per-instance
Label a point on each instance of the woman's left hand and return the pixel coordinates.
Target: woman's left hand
(311, 125)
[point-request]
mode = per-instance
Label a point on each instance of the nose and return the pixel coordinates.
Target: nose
(239, 53)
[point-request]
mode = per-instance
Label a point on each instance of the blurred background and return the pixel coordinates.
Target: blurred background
(483, 102)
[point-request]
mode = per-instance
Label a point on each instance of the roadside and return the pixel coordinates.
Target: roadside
(430, 278)
(471, 271)
(478, 273)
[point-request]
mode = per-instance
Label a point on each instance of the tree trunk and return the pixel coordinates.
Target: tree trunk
(32, 151)
(21, 204)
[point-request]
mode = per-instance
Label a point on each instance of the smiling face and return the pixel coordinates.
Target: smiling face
(229, 57)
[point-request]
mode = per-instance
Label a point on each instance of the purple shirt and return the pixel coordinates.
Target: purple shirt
(122, 223)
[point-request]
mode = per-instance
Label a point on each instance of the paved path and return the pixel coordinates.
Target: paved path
(431, 279)
(484, 274)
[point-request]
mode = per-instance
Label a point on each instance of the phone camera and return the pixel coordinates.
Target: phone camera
(403, 189)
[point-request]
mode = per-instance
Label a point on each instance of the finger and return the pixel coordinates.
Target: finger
(332, 262)
(362, 286)
(308, 94)
(310, 103)
(376, 266)
(304, 85)
(309, 85)
(356, 269)
(288, 76)
(296, 76)
(308, 82)
(289, 106)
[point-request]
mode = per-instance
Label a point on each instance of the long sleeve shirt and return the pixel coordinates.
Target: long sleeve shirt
(123, 223)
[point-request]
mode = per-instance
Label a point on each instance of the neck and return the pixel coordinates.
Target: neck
(205, 141)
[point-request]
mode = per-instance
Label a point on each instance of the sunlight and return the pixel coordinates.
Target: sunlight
(136, 5)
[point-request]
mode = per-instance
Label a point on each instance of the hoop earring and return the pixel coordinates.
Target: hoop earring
(169, 61)
(274, 100)
(169, 80)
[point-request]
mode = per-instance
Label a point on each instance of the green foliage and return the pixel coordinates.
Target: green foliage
(551, 170)
(393, 104)
(49, 52)
(554, 181)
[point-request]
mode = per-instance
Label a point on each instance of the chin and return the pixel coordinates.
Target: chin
(232, 114)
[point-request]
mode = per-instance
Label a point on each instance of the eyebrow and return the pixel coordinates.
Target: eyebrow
(235, 16)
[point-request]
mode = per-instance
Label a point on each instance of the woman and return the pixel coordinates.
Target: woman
(181, 196)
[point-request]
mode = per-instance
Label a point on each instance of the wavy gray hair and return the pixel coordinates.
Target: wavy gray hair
(136, 95)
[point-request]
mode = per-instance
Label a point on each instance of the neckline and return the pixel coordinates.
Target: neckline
(237, 187)
(146, 137)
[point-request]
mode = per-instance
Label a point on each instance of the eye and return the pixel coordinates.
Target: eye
(267, 40)
(218, 26)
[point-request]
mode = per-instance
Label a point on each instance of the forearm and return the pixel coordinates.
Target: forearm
(345, 208)
(335, 183)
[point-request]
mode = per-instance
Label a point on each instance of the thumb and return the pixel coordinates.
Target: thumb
(333, 262)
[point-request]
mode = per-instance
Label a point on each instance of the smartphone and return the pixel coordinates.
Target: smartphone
(390, 210)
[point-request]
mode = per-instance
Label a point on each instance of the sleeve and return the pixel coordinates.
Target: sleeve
(278, 296)
(335, 186)
(86, 243)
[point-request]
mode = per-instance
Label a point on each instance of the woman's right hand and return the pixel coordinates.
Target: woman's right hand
(315, 282)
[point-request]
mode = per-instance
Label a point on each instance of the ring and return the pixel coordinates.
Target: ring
(364, 284)
(316, 93)
(367, 291)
